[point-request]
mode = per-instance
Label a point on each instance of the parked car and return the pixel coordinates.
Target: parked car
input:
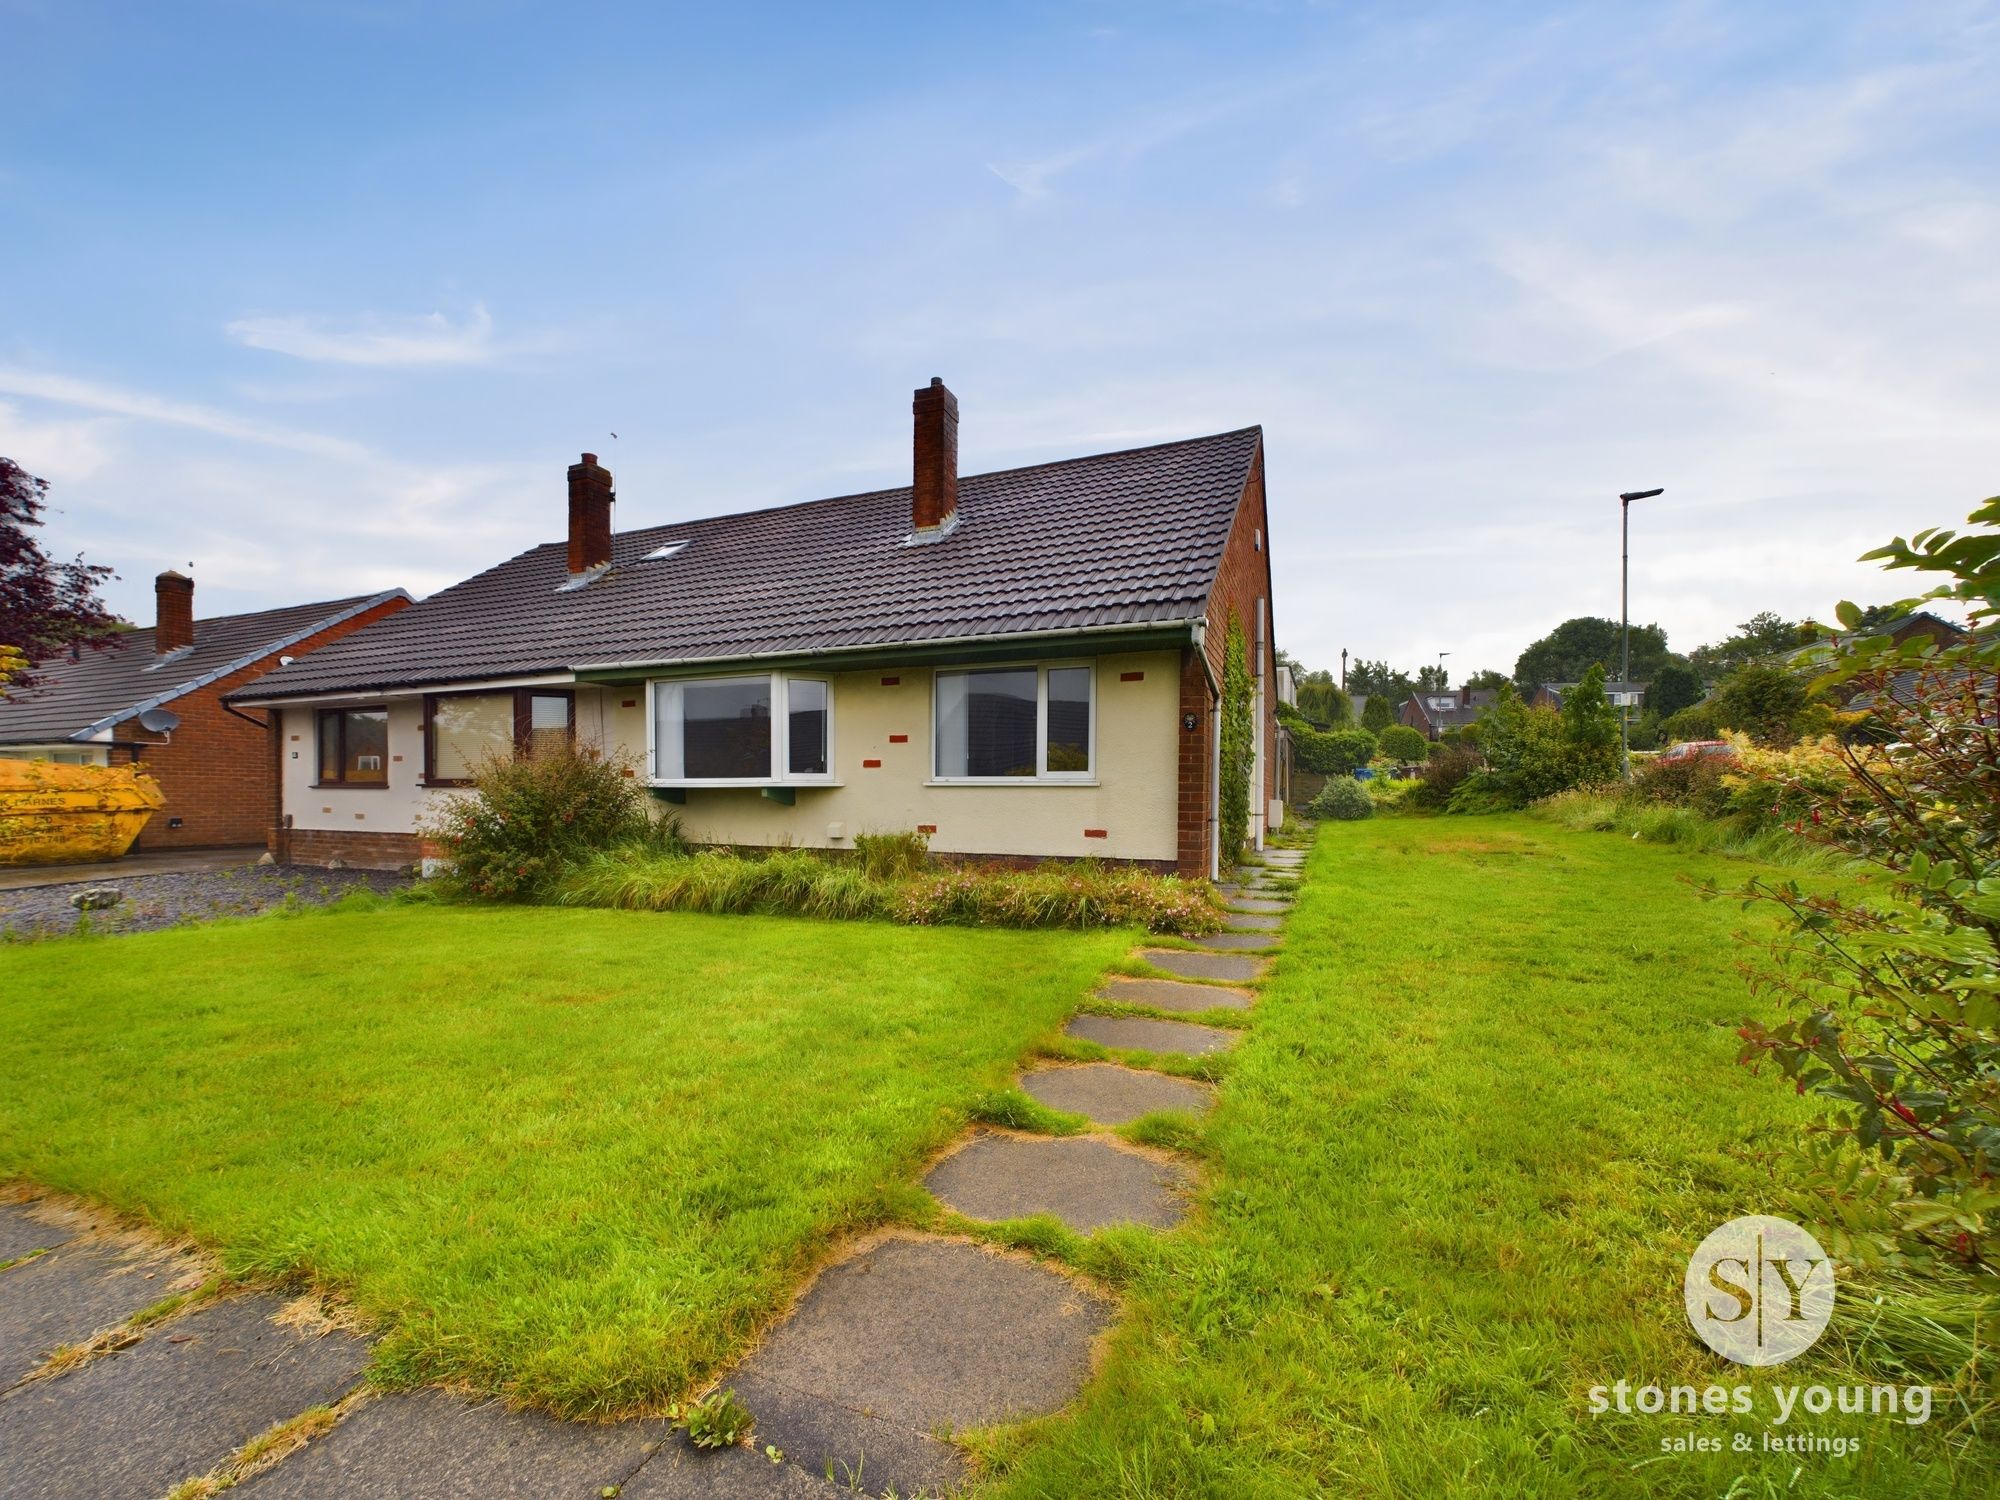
(1698, 750)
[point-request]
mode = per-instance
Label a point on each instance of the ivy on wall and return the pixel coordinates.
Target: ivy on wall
(1239, 744)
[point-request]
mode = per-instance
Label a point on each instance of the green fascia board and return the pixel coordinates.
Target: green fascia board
(1082, 643)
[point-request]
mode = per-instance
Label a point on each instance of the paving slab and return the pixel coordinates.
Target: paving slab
(1244, 921)
(1190, 965)
(21, 1233)
(850, 1452)
(1172, 994)
(1240, 941)
(1112, 1095)
(1150, 1036)
(1259, 904)
(434, 1446)
(1084, 1182)
(80, 1288)
(175, 1405)
(910, 1337)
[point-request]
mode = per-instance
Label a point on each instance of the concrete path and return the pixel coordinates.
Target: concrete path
(1084, 1181)
(1172, 994)
(1113, 1095)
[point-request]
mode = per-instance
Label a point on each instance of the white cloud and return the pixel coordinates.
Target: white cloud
(432, 339)
(90, 395)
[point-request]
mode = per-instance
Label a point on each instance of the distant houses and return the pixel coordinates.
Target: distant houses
(1433, 711)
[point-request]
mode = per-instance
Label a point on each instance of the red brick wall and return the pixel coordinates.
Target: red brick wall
(360, 851)
(218, 770)
(1243, 578)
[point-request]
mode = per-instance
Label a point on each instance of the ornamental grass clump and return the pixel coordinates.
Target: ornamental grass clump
(1077, 895)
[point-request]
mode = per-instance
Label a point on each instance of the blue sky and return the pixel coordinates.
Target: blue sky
(322, 297)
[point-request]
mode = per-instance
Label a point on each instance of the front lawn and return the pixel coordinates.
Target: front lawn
(1487, 1107)
(574, 1156)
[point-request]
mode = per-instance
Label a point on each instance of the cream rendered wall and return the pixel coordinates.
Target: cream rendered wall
(396, 807)
(1133, 798)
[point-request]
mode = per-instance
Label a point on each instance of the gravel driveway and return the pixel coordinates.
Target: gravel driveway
(153, 901)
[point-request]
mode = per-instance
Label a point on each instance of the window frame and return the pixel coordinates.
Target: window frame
(339, 779)
(781, 732)
(1043, 775)
(523, 723)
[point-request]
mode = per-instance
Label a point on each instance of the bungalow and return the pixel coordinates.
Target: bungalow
(1432, 711)
(156, 695)
(1630, 695)
(1024, 664)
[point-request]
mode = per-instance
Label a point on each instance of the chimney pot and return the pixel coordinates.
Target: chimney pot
(173, 620)
(934, 482)
(590, 501)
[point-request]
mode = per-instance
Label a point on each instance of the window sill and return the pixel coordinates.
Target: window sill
(350, 786)
(1042, 781)
(739, 783)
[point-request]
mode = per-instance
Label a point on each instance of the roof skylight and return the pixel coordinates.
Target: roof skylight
(665, 549)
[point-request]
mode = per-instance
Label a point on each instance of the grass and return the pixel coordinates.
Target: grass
(573, 1157)
(1487, 1106)
(1593, 811)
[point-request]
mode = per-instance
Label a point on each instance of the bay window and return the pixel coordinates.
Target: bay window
(1015, 724)
(353, 747)
(463, 730)
(762, 728)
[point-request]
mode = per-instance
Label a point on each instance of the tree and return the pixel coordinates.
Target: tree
(1486, 680)
(1573, 647)
(1402, 743)
(1675, 686)
(1763, 634)
(1433, 679)
(1322, 701)
(1590, 730)
(1379, 680)
(1378, 715)
(44, 605)
(1763, 701)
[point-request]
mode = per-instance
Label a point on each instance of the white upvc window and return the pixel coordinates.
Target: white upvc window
(1005, 725)
(749, 729)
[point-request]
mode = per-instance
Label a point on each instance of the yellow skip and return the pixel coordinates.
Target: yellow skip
(65, 815)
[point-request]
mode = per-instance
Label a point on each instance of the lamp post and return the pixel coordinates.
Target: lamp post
(1625, 623)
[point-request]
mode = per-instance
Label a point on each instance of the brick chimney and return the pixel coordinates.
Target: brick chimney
(590, 501)
(173, 603)
(934, 487)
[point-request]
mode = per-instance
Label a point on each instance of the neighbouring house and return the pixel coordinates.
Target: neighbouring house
(1630, 695)
(156, 695)
(1024, 664)
(1432, 711)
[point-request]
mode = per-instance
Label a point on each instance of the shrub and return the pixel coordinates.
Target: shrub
(1694, 782)
(891, 856)
(1402, 743)
(528, 819)
(798, 883)
(1442, 775)
(1697, 722)
(1893, 1018)
(1344, 798)
(1078, 895)
(1337, 752)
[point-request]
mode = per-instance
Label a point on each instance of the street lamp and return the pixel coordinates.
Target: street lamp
(1625, 622)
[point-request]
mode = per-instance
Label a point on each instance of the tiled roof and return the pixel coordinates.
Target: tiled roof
(1117, 539)
(76, 699)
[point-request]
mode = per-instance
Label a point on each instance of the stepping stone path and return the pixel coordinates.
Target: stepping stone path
(1240, 940)
(1150, 1036)
(1190, 965)
(1112, 1095)
(1081, 1180)
(902, 1342)
(1172, 994)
